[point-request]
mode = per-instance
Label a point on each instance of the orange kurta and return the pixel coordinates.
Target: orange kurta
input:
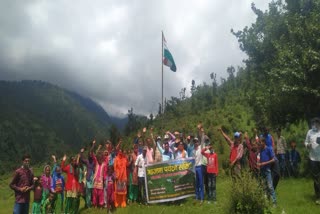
(120, 169)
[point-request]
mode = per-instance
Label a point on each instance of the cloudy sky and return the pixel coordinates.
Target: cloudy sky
(110, 51)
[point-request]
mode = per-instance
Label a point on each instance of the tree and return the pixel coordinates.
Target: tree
(131, 124)
(151, 118)
(193, 87)
(160, 109)
(182, 94)
(283, 49)
(114, 134)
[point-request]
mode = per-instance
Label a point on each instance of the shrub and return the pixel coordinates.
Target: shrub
(247, 196)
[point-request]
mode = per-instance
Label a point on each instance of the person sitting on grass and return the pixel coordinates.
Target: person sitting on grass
(48, 205)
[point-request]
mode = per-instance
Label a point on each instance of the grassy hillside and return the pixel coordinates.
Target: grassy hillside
(42, 119)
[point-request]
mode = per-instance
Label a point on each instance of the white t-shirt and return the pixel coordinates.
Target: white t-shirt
(197, 156)
(313, 138)
(179, 154)
(141, 164)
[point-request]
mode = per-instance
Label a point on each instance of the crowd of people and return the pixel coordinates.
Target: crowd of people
(109, 177)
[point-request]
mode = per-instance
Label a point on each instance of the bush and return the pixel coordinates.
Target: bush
(247, 196)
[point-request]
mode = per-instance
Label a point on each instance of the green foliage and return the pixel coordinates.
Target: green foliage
(283, 69)
(247, 196)
(41, 119)
(135, 122)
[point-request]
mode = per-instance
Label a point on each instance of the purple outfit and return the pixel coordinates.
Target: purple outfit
(46, 182)
(22, 177)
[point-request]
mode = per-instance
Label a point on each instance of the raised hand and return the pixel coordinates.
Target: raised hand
(54, 158)
(245, 135)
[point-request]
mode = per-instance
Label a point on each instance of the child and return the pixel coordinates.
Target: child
(36, 205)
(212, 171)
(294, 159)
(110, 188)
(46, 183)
(48, 205)
(57, 187)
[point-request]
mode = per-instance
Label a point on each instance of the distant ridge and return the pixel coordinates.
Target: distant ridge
(39, 118)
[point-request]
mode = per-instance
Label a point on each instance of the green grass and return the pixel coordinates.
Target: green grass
(294, 196)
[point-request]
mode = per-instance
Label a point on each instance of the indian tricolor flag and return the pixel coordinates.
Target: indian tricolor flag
(167, 57)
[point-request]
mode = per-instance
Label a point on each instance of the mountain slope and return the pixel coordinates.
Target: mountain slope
(43, 119)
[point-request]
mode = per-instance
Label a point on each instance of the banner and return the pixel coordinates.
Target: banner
(170, 180)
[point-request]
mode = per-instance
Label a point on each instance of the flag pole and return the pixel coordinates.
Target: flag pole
(162, 107)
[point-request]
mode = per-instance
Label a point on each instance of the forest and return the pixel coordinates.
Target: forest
(42, 119)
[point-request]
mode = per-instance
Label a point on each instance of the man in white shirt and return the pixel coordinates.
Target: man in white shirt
(141, 163)
(312, 144)
(198, 168)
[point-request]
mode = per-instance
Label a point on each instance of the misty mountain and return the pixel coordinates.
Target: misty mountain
(43, 119)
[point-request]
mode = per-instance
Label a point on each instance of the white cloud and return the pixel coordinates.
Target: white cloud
(111, 50)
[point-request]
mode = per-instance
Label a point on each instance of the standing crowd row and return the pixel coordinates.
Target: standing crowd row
(109, 177)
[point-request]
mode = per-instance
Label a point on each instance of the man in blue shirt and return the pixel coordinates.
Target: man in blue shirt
(190, 140)
(275, 168)
(266, 160)
(165, 153)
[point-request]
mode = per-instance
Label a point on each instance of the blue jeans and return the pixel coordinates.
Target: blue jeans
(212, 180)
(267, 178)
(199, 183)
(21, 208)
